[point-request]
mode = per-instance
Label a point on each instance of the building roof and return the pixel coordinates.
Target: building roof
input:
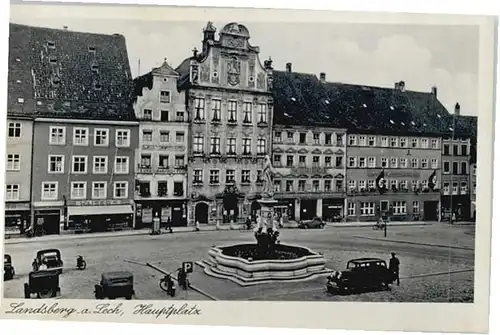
(146, 80)
(302, 99)
(71, 74)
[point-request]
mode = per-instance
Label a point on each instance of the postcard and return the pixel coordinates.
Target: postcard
(199, 165)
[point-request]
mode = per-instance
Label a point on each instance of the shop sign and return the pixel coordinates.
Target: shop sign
(147, 215)
(310, 170)
(163, 147)
(165, 214)
(103, 202)
(17, 206)
(395, 174)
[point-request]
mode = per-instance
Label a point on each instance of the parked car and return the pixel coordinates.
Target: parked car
(8, 269)
(361, 274)
(314, 223)
(115, 285)
(45, 284)
(48, 259)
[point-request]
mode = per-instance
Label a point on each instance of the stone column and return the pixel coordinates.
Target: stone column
(297, 210)
(319, 208)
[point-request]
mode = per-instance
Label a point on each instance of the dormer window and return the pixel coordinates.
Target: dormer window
(56, 81)
(92, 49)
(97, 86)
(18, 81)
(20, 100)
(53, 60)
(18, 59)
(51, 45)
(95, 67)
(39, 103)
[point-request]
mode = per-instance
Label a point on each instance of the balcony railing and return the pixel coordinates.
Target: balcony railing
(144, 168)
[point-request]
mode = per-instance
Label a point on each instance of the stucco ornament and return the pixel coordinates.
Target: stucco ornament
(233, 71)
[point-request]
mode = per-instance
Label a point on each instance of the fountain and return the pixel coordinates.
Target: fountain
(268, 260)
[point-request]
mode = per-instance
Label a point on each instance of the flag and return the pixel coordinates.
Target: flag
(433, 180)
(381, 182)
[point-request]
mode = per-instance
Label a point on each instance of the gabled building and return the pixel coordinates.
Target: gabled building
(161, 157)
(85, 132)
(230, 110)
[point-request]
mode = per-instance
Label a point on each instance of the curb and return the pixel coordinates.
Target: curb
(415, 243)
(370, 224)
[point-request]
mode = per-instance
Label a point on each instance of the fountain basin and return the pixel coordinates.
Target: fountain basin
(238, 264)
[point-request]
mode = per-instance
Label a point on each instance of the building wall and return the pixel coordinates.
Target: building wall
(361, 177)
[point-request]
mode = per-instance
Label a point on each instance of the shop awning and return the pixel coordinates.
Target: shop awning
(99, 210)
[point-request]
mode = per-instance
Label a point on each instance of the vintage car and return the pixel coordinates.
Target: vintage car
(361, 274)
(8, 269)
(45, 284)
(115, 285)
(48, 259)
(314, 223)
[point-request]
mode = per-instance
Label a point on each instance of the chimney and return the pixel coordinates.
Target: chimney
(402, 86)
(288, 67)
(322, 77)
(65, 27)
(457, 109)
(434, 91)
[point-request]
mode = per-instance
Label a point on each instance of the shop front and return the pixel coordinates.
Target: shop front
(47, 218)
(285, 208)
(171, 212)
(100, 215)
(17, 217)
(333, 209)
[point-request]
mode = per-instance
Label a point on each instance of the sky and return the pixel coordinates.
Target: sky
(368, 54)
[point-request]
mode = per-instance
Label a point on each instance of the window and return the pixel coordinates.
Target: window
(367, 208)
(446, 167)
(216, 110)
(464, 150)
(121, 165)
(78, 190)
(247, 112)
(198, 176)
(394, 184)
(340, 140)
(262, 113)
(446, 149)
(232, 109)
(277, 186)
(425, 163)
(352, 185)
(165, 97)
(399, 207)
(425, 143)
(352, 140)
(455, 167)
(403, 142)
(80, 136)
(339, 161)
(414, 142)
(328, 161)
(259, 176)
(414, 184)
(178, 188)
(455, 149)
(13, 162)
(362, 140)
(414, 163)
(403, 163)
(328, 139)
(351, 209)
(179, 161)
(261, 146)
(122, 138)
(99, 190)
(147, 114)
(214, 177)
(394, 142)
(315, 161)
(463, 188)
(371, 141)
(12, 192)
(315, 185)
(289, 160)
(101, 137)
(474, 188)
(277, 137)
(245, 176)
(302, 185)
(362, 162)
(394, 162)
(179, 136)
(56, 164)
(434, 163)
(289, 136)
(362, 184)
(328, 185)
(147, 135)
(57, 135)
(120, 189)
(231, 146)
(455, 188)
(49, 190)
(100, 165)
(446, 188)
(247, 149)
(403, 184)
(164, 136)
(14, 129)
(164, 115)
(302, 138)
(316, 138)
(302, 160)
(371, 184)
(163, 161)
(289, 186)
(416, 207)
(230, 176)
(277, 159)
(463, 169)
(384, 140)
(79, 164)
(384, 162)
(199, 109)
(352, 162)
(434, 143)
(179, 116)
(162, 190)
(20, 100)
(215, 145)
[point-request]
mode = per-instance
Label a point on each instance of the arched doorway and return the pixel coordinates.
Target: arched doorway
(254, 208)
(201, 212)
(230, 205)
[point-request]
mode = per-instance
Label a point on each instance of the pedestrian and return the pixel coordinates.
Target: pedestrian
(169, 225)
(394, 266)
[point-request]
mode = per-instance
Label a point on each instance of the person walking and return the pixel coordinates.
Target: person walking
(394, 266)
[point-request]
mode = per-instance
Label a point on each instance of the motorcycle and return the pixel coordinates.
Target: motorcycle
(168, 285)
(81, 264)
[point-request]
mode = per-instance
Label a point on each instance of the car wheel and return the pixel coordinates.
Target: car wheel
(98, 292)
(27, 292)
(46, 293)
(129, 297)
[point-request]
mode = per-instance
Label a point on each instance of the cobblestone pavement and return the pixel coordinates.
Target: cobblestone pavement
(338, 246)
